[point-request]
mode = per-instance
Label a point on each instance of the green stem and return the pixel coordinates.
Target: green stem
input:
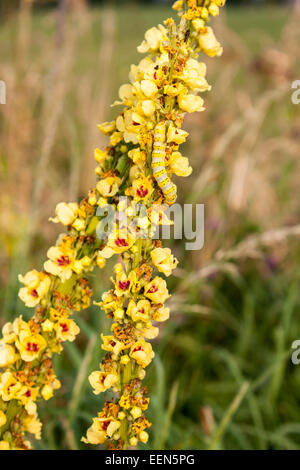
(216, 439)
(122, 165)
(92, 225)
(11, 412)
(124, 423)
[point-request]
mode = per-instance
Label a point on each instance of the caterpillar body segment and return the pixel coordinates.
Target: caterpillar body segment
(159, 164)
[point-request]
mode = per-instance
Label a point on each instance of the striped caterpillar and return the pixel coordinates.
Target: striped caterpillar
(159, 164)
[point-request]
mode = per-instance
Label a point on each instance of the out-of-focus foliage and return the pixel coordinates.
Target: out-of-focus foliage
(8, 6)
(235, 303)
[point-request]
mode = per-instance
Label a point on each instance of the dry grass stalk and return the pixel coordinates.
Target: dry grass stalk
(100, 102)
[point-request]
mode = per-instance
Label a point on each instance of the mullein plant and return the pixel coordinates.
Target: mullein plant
(134, 170)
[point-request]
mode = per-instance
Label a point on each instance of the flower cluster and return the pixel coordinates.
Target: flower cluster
(27, 347)
(133, 171)
(163, 87)
(135, 302)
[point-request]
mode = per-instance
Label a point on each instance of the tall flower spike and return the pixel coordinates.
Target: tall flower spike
(163, 87)
(142, 156)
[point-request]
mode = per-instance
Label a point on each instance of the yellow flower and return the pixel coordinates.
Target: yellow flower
(204, 13)
(47, 392)
(4, 445)
(102, 381)
(126, 94)
(142, 353)
(110, 425)
(142, 223)
(29, 297)
(92, 197)
(172, 90)
(107, 128)
(37, 285)
(9, 386)
(100, 430)
(65, 213)
(102, 202)
(190, 103)
(143, 437)
(8, 333)
(58, 314)
(139, 311)
(133, 441)
(33, 425)
(176, 135)
(134, 173)
(136, 412)
(110, 301)
(31, 408)
(109, 186)
(141, 188)
(198, 24)
(7, 354)
(119, 240)
(79, 224)
(2, 419)
(110, 343)
(27, 394)
(162, 314)
(121, 415)
(67, 330)
(163, 259)
(100, 261)
(95, 434)
(124, 402)
(122, 284)
(100, 156)
(153, 39)
(208, 43)
(149, 88)
(137, 156)
(179, 165)
(60, 262)
(47, 326)
(30, 346)
(158, 217)
(124, 359)
(213, 9)
(157, 291)
(148, 108)
(131, 124)
(178, 5)
(116, 138)
(150, 333)
(193, 75)
(20, 325)
(83, 264)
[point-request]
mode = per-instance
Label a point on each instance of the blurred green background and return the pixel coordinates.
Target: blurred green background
(222, 377)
